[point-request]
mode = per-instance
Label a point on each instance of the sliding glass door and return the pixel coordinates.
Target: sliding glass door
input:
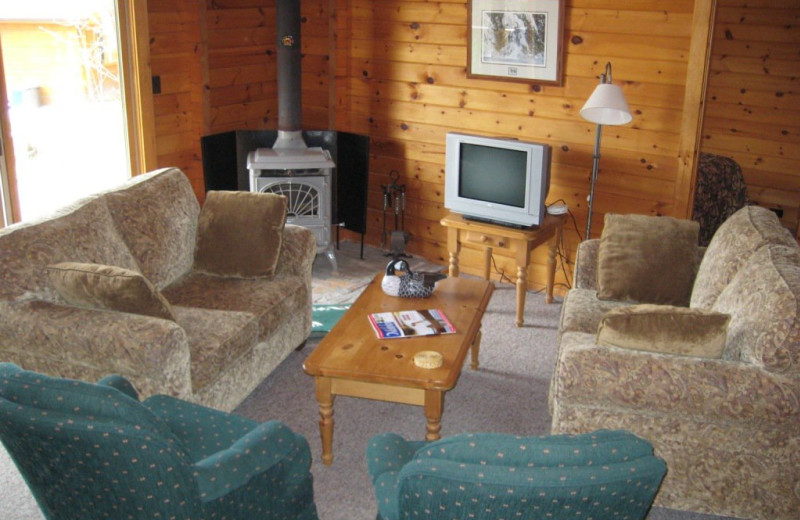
(68, 102)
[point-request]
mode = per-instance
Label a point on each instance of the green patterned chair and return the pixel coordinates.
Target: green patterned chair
(94, 451)
(600, 475)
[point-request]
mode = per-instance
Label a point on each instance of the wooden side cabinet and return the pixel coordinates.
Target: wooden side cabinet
(518, 242)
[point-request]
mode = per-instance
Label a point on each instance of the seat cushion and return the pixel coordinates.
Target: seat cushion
(737, 238)
(239, 234)
(268, 300)
(216, 339)
(647, 259)
(107, 287)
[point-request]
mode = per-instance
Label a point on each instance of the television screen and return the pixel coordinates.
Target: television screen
(496, 175)
(496, 179)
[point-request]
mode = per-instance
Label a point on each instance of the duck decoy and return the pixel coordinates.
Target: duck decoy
(410, 284)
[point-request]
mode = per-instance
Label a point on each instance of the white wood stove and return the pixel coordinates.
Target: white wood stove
(303, 176)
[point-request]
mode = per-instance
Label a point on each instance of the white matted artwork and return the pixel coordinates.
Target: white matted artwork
(516, 40)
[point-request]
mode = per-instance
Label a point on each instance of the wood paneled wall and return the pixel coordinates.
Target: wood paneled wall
(242, 64)
(178, 58)
(753, 102)
(217, 65)
(395, 70)
(401, 78)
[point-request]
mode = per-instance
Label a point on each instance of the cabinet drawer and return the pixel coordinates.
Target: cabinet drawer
(485, 239)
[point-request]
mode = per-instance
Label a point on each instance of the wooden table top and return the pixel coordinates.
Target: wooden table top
(353, 351)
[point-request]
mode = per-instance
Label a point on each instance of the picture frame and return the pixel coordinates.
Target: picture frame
(516, 40)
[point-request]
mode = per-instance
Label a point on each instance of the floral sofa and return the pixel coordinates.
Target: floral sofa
(213, 337)
(711, 379)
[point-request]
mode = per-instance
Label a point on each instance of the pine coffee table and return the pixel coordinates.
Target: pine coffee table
(351, 361)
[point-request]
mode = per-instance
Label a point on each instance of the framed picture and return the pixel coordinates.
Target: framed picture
(516, 40)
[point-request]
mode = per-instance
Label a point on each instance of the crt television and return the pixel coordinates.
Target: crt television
(498, 180)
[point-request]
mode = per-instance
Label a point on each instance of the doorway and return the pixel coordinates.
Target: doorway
(66, 109)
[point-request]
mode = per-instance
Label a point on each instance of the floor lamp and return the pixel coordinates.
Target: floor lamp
(606, 106)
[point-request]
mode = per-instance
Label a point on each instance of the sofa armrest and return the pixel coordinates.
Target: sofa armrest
(612, 378)
(267, 445)
(89, 344)
(585, 275)
(298, 250)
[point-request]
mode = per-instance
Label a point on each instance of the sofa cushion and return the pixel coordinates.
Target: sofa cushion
(763, 299)
(81, 233)
(156, 214)
(269, 300)
(109, 288)
(736, 239)
(647, 259)
(217, 338)
(665, 328)
(239, 234)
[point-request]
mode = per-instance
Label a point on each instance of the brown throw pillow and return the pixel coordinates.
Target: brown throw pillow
(107, 287)
(239, 234)
(647, 259)
(666, 329)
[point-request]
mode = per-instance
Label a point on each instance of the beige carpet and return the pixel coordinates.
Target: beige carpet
(507, 394)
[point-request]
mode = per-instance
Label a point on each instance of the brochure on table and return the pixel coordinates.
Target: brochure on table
(409, 324)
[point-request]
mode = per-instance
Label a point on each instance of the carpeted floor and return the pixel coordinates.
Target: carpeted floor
(507, 394)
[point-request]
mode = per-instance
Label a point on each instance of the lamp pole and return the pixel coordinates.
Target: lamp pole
(595, 167)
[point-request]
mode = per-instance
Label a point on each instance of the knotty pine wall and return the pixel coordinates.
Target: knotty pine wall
(403, 82)
(395, 70)
(753, 102)
(216, 62)
(178, 57)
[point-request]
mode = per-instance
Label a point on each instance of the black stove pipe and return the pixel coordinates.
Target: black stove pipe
(289, 79)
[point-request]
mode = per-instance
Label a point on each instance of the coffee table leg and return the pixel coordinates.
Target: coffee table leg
(476, 346)
(434, 401)
(325, 401)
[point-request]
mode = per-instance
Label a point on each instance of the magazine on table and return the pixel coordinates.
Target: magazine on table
(409, 324)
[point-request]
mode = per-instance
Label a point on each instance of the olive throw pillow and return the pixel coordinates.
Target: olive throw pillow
(647, 259)
(239, 234)
(107, 287)
(666, 329)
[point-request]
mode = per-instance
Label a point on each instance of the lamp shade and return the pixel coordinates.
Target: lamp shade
(607, 106)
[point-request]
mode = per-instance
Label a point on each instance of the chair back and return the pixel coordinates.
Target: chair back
(88, 450)
(605, 474)
(720, 191)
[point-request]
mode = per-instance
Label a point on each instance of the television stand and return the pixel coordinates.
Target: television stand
(494, 222)
(517, 242)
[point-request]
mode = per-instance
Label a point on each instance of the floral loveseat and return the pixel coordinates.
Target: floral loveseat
(711, 380)
(215, 337)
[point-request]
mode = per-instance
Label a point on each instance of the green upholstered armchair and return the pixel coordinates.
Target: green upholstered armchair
(600, 475)
(94, 451)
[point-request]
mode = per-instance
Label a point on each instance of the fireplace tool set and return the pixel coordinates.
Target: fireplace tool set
(394, 199)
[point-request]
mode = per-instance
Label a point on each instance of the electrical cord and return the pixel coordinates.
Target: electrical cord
(561, 249)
